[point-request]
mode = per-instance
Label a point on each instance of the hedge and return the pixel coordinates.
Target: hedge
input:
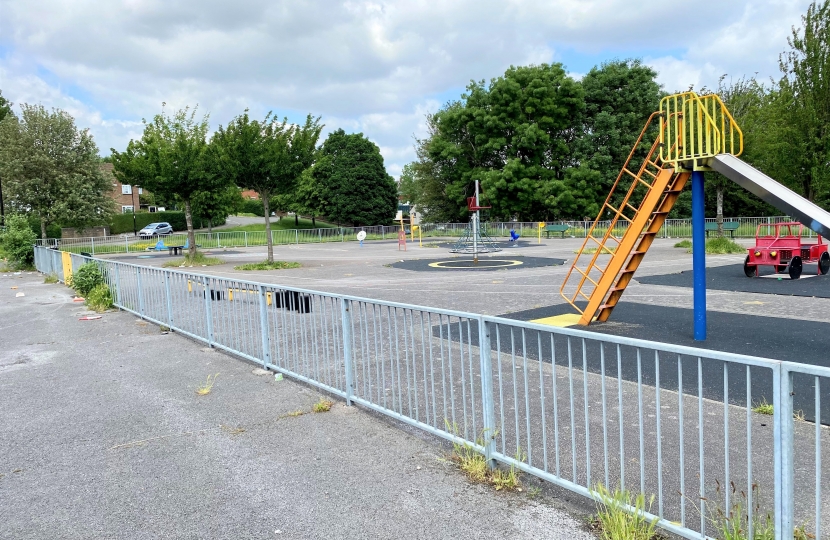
(123, 223)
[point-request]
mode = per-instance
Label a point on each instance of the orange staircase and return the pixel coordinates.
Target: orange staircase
(636, 208)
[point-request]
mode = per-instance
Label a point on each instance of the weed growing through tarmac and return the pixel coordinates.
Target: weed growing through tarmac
(99, 298)
(324, 405)
(50, 278)
(588, 251)
(614, 521)
(743, 515)
(762, 407)
(265, 265)
(292, 414)
(200, 259)
(208, 386)
(474, 465)
(684, 244)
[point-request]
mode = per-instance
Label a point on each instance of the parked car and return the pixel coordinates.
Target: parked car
(155, 229)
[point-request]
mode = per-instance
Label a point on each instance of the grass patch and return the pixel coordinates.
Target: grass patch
(200, 259)
(588, 251)
(205, 389)
(265, 265)
(50, 278)
(763, 407)
(283, 224)
(613, 520)
(292, 414)
(715, 246)
(324, 405)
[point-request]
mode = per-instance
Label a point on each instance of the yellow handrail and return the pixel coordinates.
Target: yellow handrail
(694, 128)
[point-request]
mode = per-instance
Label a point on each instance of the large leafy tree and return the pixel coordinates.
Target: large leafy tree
(172, 160)
(805, 91)
(515, 135)
(619, 97)
(267, 157)
(51, 169)
(351, 182)
(214, 206)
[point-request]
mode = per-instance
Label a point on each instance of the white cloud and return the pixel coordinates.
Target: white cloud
(365, 66)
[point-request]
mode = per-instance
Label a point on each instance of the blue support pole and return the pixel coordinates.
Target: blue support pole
(699, 255)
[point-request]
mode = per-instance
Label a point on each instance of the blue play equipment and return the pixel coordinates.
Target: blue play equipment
(160, 245)
(514, 238)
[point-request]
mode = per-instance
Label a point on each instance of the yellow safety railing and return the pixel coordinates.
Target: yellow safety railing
(695, 128)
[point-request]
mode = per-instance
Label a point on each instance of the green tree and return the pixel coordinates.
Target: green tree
(308, 197)
(619, 97)
(514, 134)
(5, 110)
(267, 157)
(352, 181)
(215, 206)
(16, 242)
(171, 160)
(805, 88)
(51, 168)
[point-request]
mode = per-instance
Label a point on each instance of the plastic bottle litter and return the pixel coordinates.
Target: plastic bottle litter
(277, 376)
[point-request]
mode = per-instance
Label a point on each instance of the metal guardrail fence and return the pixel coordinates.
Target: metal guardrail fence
(672, 228)
(575, 408)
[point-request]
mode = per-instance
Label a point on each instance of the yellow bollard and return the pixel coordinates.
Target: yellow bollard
(189, 286)
(268, 298)
(412, 230)
(230, 295)
(66, 261)
(541, 226)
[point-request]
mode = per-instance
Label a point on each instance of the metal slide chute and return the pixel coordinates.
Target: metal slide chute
(770, 191)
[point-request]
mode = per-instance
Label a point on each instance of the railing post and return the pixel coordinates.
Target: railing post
(126, 245)
(263, 328)
(297, 236)
(246, 238)
(140, 296)
(489, 434)
(118, 300)
(91, 239)
(346, 317)
(208, 312)
(169, 299)
(782, 385)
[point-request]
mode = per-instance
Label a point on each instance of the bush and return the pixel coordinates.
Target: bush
(123, 223)
(16, 242)
(99, 298)
(86, 278)
(253, 206)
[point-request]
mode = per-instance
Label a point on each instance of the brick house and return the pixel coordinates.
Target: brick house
(126, 197)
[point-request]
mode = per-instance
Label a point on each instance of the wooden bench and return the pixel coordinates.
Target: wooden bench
(730, 226)
(561, 229)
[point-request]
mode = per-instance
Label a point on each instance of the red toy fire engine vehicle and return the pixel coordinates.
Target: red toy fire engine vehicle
(784, 250)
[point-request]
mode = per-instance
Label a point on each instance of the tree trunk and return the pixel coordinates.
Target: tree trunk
(43, 228)
(313, 223)
(191, 236)
(268, 240)
(210, 226)
(720, 209)
(296, 220)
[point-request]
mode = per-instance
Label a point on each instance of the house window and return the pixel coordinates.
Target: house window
(140, 191)
(126, 209)
(126, 189)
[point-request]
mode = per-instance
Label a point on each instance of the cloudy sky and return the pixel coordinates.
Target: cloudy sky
(370, 67)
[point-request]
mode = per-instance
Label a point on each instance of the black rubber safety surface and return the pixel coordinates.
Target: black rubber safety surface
(731, 278)
(496, 261)
(768, 337)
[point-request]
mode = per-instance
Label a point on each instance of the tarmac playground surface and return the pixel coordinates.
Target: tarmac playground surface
(109, 439)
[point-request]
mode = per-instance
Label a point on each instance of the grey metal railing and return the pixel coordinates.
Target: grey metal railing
(672, 228)
(575, 408)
